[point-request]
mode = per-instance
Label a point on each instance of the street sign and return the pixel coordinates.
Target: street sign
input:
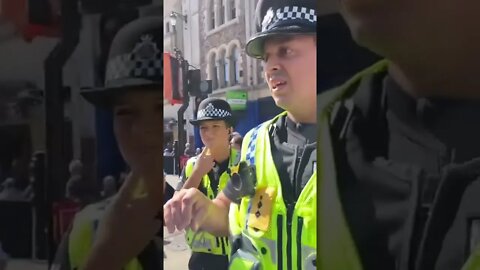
(237, 99)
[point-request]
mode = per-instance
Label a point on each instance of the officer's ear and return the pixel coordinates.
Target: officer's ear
(230, 133)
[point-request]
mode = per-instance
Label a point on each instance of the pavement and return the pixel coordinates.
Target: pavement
(172, 180)
(176, 251)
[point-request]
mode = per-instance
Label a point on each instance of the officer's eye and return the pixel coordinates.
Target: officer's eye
(285, 51)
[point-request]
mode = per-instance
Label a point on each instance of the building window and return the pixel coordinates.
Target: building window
(223, 69)
(215, 76)
(233, 10)
(223, 10)
(168, 27)
(211, 15)
(236, 68)
(226, 72)
(218, 73)
(212, 67)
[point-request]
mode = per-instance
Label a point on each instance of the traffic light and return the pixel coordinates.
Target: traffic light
(197, 87)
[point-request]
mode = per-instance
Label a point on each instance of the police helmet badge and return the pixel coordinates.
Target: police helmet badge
(146, 49)
(209, 109)
(267, 19)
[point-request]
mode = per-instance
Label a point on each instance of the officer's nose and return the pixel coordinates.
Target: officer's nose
(272, 65)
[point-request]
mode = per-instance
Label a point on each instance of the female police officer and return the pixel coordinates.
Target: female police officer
(209, 173)
(133, 93)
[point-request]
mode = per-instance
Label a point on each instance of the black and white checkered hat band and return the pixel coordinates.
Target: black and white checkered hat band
(130, 66)
(212, 112)
(288, 13)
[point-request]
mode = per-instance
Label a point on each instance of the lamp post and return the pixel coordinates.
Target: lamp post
(54, 115)
(182, 136)
(174, 21)
(184, 66)
(174, 15)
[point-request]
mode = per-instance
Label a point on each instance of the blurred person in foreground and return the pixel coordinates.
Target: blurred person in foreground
(118, 232)
(400, 155)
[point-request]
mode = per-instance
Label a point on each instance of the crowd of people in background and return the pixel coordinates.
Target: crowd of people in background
(78, 193)
(11, 192)
(79, 190)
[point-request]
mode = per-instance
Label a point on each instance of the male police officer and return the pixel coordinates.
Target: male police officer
(209, 172)
(275, 226)
(133, 92)
(399, 144)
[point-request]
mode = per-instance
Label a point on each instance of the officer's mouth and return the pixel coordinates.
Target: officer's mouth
(278, 85)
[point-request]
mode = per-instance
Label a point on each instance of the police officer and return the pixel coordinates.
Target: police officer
(133, 92)
(209, 172)
(399, 142)
(274, 226)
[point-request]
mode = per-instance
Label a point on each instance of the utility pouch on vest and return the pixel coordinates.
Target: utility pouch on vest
(261, 210)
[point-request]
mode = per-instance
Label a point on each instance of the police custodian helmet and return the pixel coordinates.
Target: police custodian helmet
(134, 61)
(213, 109)
(281, 17)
